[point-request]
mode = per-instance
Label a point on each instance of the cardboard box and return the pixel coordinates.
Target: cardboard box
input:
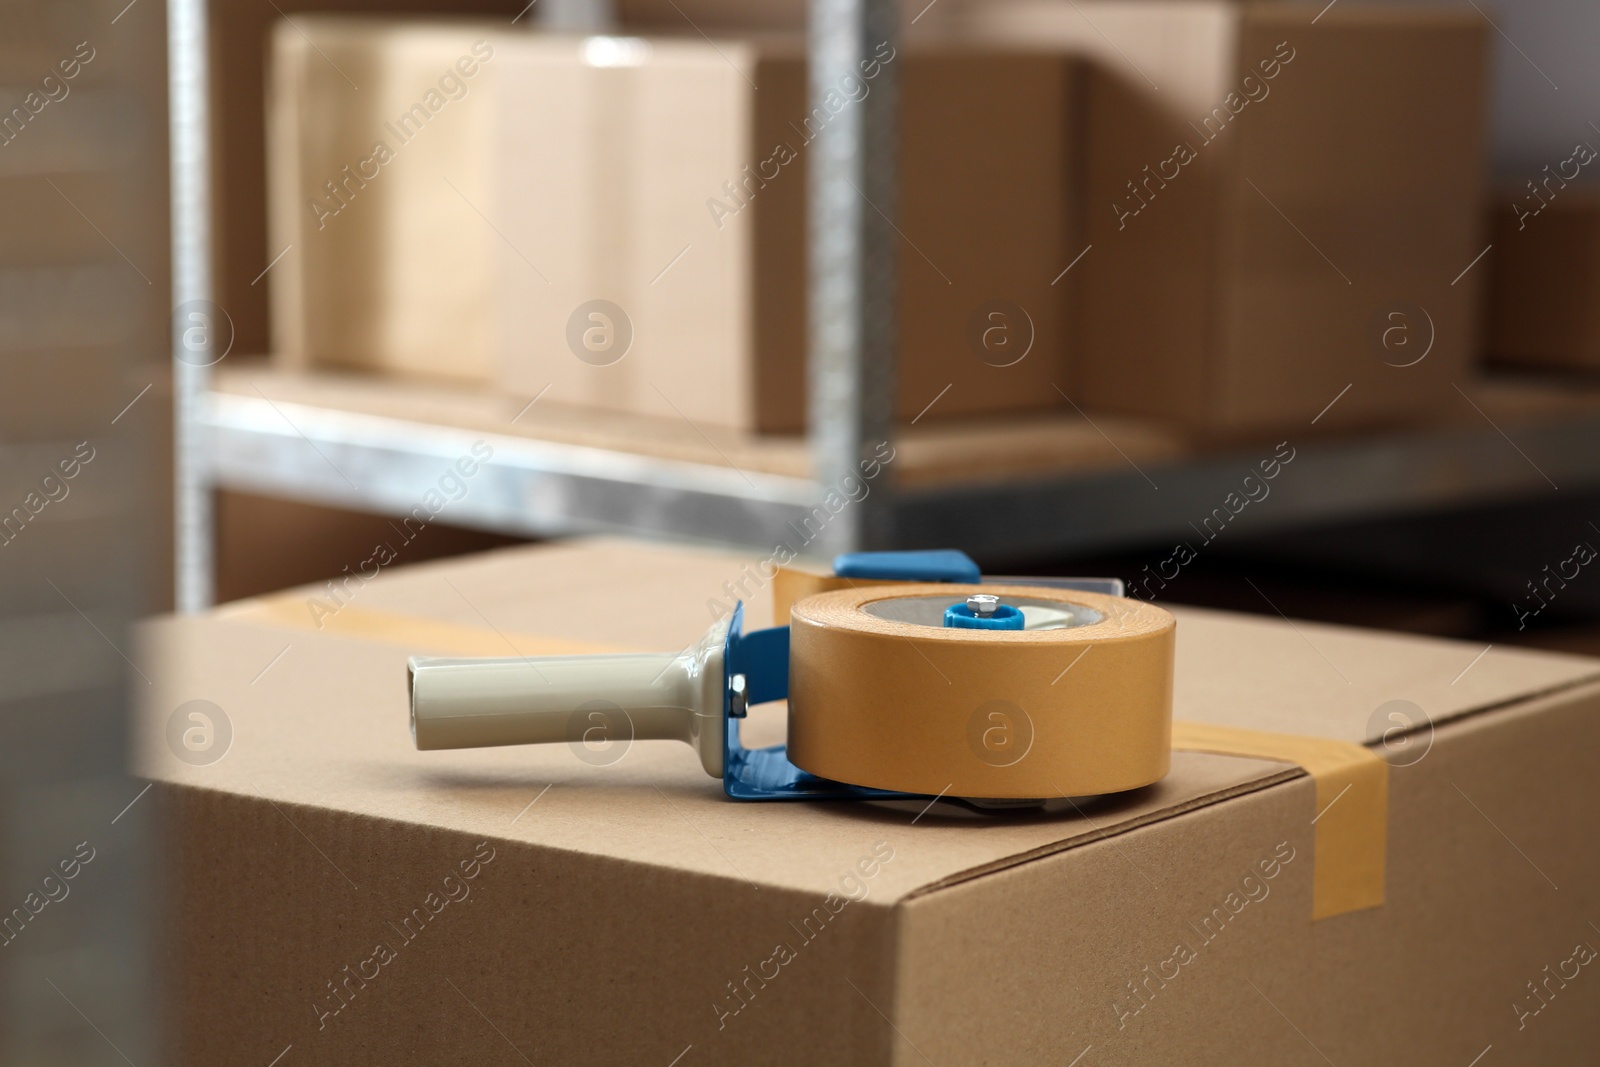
(675, 187)
(916, 16)
(379, 179)
(337, 892)
(1544, 274)
(240, 69)
(1280, 201)
(265, 544)
(651, 175)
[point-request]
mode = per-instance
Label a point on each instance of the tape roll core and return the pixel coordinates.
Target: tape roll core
(1079, 707)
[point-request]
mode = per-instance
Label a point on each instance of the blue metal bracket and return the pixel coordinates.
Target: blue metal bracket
(933, 565)
(756, 670)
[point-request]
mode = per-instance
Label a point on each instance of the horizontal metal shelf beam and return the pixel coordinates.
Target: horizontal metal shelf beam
(543, 489)
(535, 488)
(1328, 480)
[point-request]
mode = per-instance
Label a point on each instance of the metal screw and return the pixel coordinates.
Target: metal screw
(983, 604)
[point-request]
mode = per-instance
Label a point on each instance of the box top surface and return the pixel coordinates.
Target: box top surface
(319, 717)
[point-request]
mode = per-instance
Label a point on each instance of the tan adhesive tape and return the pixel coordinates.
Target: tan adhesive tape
(418, 634)
(1351, 823)
(793, 584)
(881, 694)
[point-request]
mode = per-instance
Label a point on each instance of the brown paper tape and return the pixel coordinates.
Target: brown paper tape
(880, 701)
(792, 585)
(1351, 823)
(410, 631)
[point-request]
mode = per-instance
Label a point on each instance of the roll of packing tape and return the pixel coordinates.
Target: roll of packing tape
(1078, 703)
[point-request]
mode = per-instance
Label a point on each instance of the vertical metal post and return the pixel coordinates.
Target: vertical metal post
(188, 103)
(852, 194)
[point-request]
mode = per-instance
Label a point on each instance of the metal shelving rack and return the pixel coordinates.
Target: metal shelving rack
(540, 488)
(189, 108)
(322, 454)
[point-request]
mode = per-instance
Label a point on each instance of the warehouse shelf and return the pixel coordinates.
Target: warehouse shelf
(1011, 487)
(1038, 484)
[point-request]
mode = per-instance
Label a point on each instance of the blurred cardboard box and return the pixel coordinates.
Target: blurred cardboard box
(365, 902)
(265, 544)
(241, 36)
(1544, 272)
(670, 180)
(916, 16)
(1281, 201)
(444, 222)
(379, 169)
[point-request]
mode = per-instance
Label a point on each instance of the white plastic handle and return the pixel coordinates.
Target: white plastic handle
(474, 703)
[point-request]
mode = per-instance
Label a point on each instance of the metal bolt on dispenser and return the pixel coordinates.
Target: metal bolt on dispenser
(983, 605)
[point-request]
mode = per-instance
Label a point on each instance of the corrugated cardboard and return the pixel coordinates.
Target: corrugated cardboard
(652, 174)
(916, 16)
(629, 911)
(1267, 187)
(378, 176)
(241, 33)
(264, 544)
(240, 69)
(675, 189)
(1544, 273)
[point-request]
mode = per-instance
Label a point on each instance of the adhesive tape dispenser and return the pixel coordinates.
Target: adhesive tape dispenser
(911, 675)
